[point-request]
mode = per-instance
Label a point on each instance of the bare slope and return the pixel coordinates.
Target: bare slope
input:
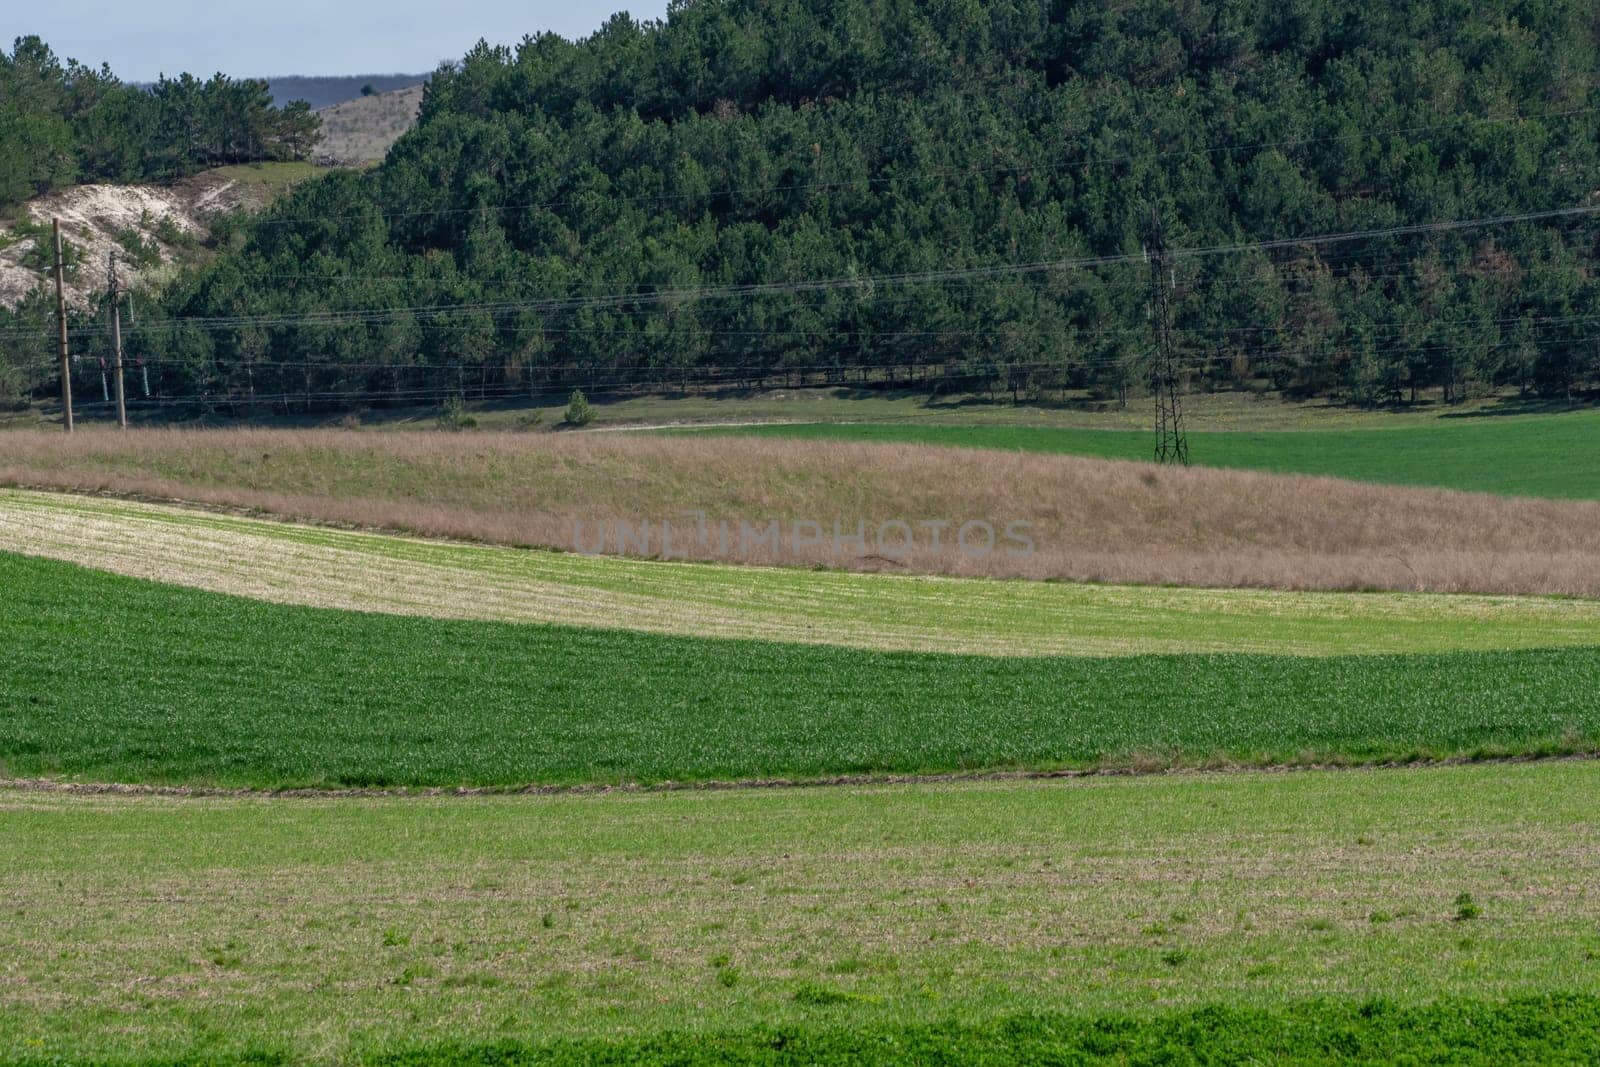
(361, 130)
(322, 92)
(1088, 519)
(168, 219)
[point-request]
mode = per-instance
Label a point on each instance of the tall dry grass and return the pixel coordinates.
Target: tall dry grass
(1088, 519)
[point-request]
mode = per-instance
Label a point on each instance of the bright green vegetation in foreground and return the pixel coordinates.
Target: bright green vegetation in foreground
(1325, 909)
(116, 679)
(1532, 1030)
(1546, 455)
(317, 566)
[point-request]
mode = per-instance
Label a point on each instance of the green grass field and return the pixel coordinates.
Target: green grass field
(114, 679)
(1418, 914)
(1100, 918)
(1547, 455)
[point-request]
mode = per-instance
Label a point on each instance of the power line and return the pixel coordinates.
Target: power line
(710, 376)
(888, 333)
(876, 299)
(616, 301)
(896, 335)
(370, 316)
(707, 376)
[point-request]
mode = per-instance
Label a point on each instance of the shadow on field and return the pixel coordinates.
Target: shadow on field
(1517, 405)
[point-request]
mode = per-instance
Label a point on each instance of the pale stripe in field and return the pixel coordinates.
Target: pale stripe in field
(320, 567)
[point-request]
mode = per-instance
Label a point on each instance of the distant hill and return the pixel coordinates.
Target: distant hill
(325, 92)
(361, 130)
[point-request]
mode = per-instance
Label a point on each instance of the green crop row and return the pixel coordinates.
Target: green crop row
(106, 677)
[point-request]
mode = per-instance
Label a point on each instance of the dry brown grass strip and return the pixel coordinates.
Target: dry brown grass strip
(1095, 520)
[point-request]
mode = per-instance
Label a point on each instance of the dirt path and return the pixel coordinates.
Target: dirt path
(70, 788)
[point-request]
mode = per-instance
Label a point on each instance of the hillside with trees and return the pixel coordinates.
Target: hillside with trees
(65, 123)
(511, 241)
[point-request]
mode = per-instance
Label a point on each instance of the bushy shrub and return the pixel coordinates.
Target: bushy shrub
(579, 411)
(453, 415)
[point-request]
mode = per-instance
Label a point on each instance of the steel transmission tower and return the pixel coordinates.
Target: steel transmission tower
(1172, 443)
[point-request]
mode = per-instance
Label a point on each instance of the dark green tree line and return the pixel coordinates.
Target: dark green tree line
(745, 142)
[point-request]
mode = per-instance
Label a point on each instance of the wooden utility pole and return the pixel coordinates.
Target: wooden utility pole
(61, 322)
(116, 342)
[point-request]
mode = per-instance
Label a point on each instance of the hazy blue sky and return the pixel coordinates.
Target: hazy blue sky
(142, 40)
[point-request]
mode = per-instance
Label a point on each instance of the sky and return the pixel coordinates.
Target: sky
(143, 40)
